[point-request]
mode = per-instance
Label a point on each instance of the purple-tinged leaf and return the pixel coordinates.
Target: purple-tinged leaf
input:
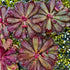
(13, 13)
(18, 32)
(25, 56)
(13, 27)
(62, 18)
(11, 58)
(24, 34)
(2, 50)
(44, 63)
(62, 12)
(13, 20)
(3, 12)
(57, 27)
(34, 11)
(38, 18)
(31, 33)
(44, 7)
(35, 27)
(27, 46)
(10, 51)
(19, 7)
(52, 5)
(46, 45)
(0, 27)
(33, 65)
(30, 8)
(5, 30)
(25, 63)
(60, 23)
(48, 25)
(7, 44)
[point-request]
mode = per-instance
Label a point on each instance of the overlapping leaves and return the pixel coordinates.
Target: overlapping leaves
(3, 24)
(55, 15)
(29, 20)
(38, 56)
(8, 55)
(19, 19)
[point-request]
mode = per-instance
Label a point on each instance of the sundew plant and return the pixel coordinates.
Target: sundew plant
(34, 34)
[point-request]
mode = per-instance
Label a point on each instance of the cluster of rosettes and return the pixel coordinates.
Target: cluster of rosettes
(31, 19)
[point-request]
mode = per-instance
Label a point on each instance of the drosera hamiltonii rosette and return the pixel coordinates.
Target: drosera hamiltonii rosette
(55, 15)
(38, 55)
(19, 19)
(8, 55)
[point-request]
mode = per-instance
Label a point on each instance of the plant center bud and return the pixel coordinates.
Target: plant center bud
(47, 52)
(24, 26)
(0, 19)
(24, 18)
(36, 55)
(49, 16)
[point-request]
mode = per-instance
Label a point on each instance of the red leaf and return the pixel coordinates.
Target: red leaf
(11, 28)
(30, 8)
(30, 32)
(27, 46)
(44, 7)
(12, 12)
(49, 25)
(12, 58)
(38, 18)
(24, 34)
(19, 7)
(25, 63)
(57, 27)
(34, 11)
(7, 61)
(26, 55)
(46, 45)
(44, 63)
(2, 50)
(13, 20)
(52, 5)
(33, 65)
(3, 12)
(5, 30)
(0, 27)
(7, 44)
(18, 32)
(10, 51)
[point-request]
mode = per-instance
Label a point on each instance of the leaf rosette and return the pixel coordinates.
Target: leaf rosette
(8, 55)
(20, 19)
(55, 15)
(37, 54)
